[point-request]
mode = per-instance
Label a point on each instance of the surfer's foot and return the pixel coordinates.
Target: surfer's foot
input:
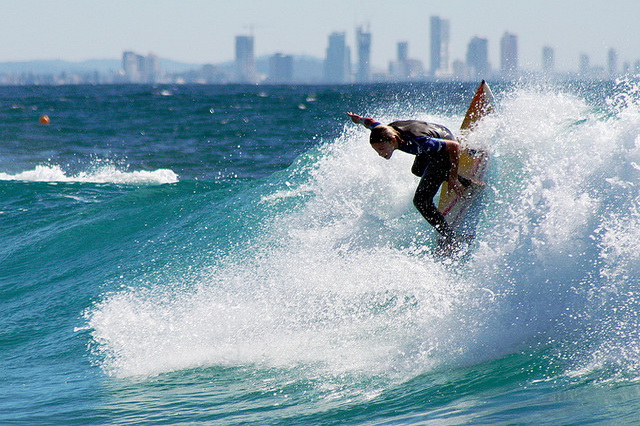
(457, 239)
(465, 238)
(453, 245)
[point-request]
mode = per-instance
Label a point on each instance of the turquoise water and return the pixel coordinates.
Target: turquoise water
(238, 254)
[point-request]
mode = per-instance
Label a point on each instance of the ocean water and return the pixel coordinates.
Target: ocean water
(240, 255)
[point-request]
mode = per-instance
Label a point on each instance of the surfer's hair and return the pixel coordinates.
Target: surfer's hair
(382, 133)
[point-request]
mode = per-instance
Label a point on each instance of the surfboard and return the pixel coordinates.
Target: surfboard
(473, 163)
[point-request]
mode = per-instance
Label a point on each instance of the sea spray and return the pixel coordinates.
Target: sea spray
(336, 281)
(287, 278)
(329, 279)
(104, 173)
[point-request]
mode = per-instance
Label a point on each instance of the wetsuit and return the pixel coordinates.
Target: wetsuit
(432, 164)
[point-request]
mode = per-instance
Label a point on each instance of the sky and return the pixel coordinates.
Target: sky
(203, 31)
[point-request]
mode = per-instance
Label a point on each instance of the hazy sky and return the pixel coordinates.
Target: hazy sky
(202, 31)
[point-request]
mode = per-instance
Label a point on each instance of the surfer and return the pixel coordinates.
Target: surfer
(437, 155)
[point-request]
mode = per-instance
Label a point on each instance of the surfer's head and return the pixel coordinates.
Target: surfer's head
(384, 140)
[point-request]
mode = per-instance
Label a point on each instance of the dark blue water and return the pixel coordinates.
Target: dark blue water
(238, 254)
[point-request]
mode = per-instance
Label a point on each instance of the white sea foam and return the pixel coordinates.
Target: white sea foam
(99, 174)
(344, 283)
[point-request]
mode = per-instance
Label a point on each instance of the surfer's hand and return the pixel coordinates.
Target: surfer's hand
(367, 122)
(476, 182)
(456, 186)
(355, 118)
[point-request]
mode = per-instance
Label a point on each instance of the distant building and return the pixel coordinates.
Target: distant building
(403, 51)
(404, 68)
(415, 68)
(439, 47)
(509, 55)
(280, 69)
(478, 58)
(245, 60)
(140, 69)
(363, 73)
(401, 66)
(584, 67)
(460, 70)
(548, 60)
(152, 72)
(211, 74)
(612, 63)
(132, 66)
(337, 65)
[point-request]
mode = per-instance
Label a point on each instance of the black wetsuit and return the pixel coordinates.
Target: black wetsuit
(432, 164)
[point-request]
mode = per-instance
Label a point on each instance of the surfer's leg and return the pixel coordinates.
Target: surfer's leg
(419, 166)
(423, 199)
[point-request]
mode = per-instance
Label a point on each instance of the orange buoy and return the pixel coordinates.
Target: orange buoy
(45, 119)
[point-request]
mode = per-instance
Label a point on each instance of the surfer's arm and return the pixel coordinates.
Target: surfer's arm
(369, 123)
(453, 149)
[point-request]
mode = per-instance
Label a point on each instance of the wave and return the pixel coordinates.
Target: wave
(98, 174)
(330, 267)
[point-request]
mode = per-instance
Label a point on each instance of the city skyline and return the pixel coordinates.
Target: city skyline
(338, 66)
(200, 31)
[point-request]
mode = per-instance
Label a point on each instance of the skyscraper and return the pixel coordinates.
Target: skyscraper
(478, 58)
(363, 74)
(403, 51)
(152, 68)
(337, 65)
(402, 65)
(140, 69)
(612, 62)
(133, 67)
(439, 47)
(245, 60)
(509, 54)
(584, 67)
(548, 59)
(280, 68)
(405, 68)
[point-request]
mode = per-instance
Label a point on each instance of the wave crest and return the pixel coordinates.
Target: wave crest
(101, 174)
